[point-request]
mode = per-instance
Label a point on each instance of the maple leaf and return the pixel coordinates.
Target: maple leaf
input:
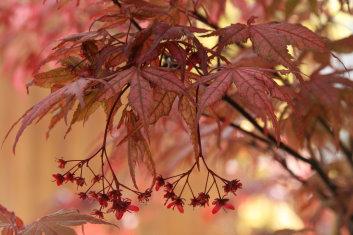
(62, 50)
(40, 109)
(140, 97)
(59, 76)
(270, 40)
(164, 31)
(188, 112)
(62, 108)
(115, 53)
(323, 99)
(255, 85)
(138, 147)
(58, 222)
(141, 93)
(83, 113)
(165, 79)
(9, 222)
(162, 104)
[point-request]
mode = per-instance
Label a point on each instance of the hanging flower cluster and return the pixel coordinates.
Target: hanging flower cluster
(172, 199)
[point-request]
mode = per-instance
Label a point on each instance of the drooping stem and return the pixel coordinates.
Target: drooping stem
(103, 149)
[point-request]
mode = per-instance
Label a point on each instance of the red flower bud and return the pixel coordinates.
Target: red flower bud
(59, 179)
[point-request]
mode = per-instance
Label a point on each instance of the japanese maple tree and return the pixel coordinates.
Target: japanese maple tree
(149, 64)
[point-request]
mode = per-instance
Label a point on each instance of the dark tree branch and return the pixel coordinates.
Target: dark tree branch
(312, 162)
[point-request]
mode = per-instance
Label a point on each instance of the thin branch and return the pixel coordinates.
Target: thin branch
(259, 128)
(283, 163)
(281, 160)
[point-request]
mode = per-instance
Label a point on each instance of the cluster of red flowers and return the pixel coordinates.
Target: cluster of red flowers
(112, 194)
(203, 197)
(60, 179)
(107, 195)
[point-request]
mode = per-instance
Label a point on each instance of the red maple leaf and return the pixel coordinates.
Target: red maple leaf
(9, 222)
(141, 93)
(270, 40)
(255, 85)
(40, 109)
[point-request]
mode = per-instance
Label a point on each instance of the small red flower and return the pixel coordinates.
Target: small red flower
(221, 202)
(59, 179)
(80, 181)
(179, 202)
(122, 206)
(120, 214)
(114, 194)
(203, 199)
(159, 182)
(69, 177)
(232, 186)
(103, 199)
(194, 202)
(62, 163)
(96, 179)
(82, 195)
(170, 195)
(145, 197)
(169, 187)
(98, 213)
(93, 195)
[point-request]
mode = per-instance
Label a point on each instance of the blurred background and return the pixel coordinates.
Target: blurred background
(270, 200)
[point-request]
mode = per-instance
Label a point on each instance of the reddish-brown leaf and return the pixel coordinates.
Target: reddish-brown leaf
(116, 83)
(63, 108)
(138, 148)
(163, 102)
(164, 78)
(270, 40)
(58, 222)
(74, 89)
(83, 113)
(235, 33)
(188, 112)
(9, 222)
(164, 31)
(140, 97)
(109, 51)
(255, 85)
(60, 76)
(62, 50)
(324, 94)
